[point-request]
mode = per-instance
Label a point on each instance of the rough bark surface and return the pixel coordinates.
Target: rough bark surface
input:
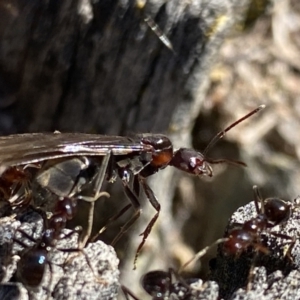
(78, 65)
(88, 274)
(97, 67)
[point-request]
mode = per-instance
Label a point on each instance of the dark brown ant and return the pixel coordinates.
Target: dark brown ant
(161, 285)
(133, 159)
(165, 285)
(188, 160)
(31, 266)
(270, 213)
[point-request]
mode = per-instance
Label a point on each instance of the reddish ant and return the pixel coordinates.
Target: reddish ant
(233, 267)
(270, 213)
(188, 160)
(36, 257)
(133, 159)
(31, 266)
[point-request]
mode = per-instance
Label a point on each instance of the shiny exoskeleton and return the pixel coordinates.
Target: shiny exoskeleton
(272, 212)
(160, 285)
(31, 266)
(36, 257)
(132, 159)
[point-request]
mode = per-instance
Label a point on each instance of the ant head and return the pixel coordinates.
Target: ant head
(192, 162)
(156, 283)
(196, 163)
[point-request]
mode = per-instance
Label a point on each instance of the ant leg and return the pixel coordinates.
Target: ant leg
(288, 252)
(136, 190)
(27, 236)
(152, 199)
(137, 208)
(78, 251)
(50, 279)
(111, 220)
(127, 293)
(291, 243)
(261, 248)
(97, 194)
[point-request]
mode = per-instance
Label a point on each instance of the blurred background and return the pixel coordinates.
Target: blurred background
(97, 67)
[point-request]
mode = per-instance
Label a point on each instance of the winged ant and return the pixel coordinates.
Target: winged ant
(68, 156)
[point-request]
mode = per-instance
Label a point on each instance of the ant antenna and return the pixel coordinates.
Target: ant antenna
(221, 134)
(257, 199)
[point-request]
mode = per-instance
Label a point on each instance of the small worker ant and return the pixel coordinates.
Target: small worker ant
(170, 284)
(270, 213)
(31, 268)
(254, 242)
(86, 274)
(37, 257)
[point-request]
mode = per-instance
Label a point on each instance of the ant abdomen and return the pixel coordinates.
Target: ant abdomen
(157, 283)
(276, 211)
(31, 267)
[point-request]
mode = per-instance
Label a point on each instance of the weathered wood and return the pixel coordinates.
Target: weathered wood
(97, 67)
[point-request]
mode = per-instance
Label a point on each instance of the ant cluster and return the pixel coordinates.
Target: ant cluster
(54, 171)
(258, 235)
(48, 256)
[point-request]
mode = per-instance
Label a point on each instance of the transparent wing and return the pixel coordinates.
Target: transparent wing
(28, 148)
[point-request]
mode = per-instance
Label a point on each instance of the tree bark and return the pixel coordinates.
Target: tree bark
(97, 67)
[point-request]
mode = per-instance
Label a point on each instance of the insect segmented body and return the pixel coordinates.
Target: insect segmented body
(70, 161)
(270, 212)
